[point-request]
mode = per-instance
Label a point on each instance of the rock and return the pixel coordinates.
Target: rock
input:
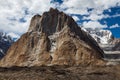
(53, 39)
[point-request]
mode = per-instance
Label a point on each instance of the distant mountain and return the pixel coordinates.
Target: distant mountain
(105, 39)
(101, 36)
(53, 38)
(107, 42)
(5, 43)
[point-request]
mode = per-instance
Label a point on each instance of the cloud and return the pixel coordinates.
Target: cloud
(93, 25)
(113, 16)
(76, 11)
(81, 6)
(99, 17)
(15, 15)
(92, 8)
(76, 6)
(95, 17)
(114, 26)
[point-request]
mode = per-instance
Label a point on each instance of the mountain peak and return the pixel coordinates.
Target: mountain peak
(51, 22)
(54, 10)
(53, 38)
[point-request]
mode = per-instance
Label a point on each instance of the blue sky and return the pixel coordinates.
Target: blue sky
(15, 15)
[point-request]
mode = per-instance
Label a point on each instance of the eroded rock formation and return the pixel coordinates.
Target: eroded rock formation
(53, 39)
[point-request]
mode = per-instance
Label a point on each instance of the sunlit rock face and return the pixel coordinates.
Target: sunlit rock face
(53, 38)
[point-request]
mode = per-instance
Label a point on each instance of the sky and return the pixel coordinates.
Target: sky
(15, 15)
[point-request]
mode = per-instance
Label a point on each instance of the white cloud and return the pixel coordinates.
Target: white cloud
(82, 5)
(75, 18)
(98, 6)
(113, 16)
(93, 25)
(114, 26)
(12, 11)
(95, 17)
(77, 6)
(76, 11)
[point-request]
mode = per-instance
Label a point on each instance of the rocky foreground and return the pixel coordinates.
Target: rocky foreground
(61, 73)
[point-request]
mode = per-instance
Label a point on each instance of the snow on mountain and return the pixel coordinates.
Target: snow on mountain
(105, 39)
(5, 43)
(14, 36)
(100, 35)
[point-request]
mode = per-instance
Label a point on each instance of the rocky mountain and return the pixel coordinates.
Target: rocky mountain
(104, 38)
(53, 38)
(107, 42)
(5, 43)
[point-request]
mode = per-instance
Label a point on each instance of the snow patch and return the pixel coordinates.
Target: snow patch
(101, 36)
(14, 36)
(1, 51)
(53, 42)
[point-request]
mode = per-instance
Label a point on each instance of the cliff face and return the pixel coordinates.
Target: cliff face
(53, 39)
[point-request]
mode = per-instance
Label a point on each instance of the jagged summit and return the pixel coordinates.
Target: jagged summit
(53, 38)
(55, 20)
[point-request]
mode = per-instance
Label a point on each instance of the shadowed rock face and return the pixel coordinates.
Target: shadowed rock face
(116, 43)
(5, 43)
(53, 39)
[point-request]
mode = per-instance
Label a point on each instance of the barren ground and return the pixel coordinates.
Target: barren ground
(61, 73)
